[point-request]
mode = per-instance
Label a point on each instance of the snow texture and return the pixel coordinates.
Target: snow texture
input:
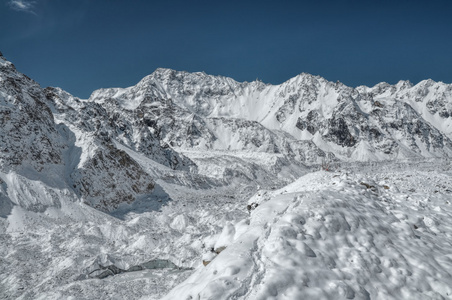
(191, 186)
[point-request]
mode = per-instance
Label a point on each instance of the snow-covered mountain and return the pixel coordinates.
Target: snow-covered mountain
(304, 114)
(128, 193)
(171, 117)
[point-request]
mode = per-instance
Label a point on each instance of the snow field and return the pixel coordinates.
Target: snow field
(327, 236)
(372, 231)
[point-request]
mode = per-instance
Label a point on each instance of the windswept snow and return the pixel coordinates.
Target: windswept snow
(336, 236)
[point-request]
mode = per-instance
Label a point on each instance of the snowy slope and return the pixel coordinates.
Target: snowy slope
(340, 235)
(335, 236)
(192, 186)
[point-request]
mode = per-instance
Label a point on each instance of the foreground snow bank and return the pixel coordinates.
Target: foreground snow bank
(330, 236)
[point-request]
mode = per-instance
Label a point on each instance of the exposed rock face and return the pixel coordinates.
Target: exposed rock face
(135, 128)
(118, 179)
(35, 146)
(28, 135)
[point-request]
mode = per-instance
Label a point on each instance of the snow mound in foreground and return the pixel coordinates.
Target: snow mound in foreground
(330, 236)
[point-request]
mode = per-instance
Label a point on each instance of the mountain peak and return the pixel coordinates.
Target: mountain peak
(404, 84)
(427, 82)
(306, 78)
(172, 72)
(5, 63)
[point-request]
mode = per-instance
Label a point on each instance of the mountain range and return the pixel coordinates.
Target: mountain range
(176, 148)
(171, 116)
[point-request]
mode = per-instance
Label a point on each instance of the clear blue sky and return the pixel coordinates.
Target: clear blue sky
(88, 44)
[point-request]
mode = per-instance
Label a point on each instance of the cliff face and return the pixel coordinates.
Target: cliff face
(29, 137)
(35, 145)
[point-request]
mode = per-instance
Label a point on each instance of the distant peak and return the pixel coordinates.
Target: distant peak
(305, 75)
(404, 84)
(168, 71)
(164, 70)
(427, 82)
(382, 84)
(307, 78)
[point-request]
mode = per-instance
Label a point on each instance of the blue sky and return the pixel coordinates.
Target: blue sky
(84, 45)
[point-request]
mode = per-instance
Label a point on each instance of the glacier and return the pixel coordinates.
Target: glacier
(192, 186)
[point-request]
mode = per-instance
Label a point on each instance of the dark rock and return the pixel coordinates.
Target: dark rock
(378, 104)
(339, 132)
(135, 268)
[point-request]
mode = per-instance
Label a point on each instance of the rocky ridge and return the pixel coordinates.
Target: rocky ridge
(35, 146)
